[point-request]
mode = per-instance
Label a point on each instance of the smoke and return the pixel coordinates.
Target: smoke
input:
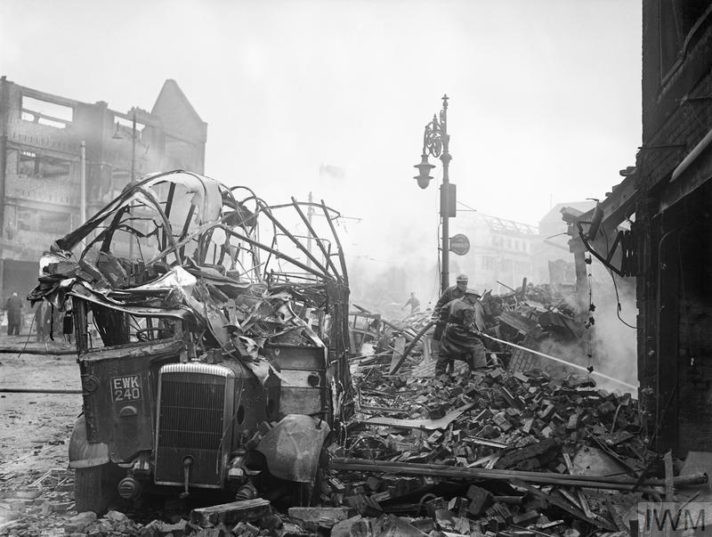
(613, 343)
(388, 258)
(608, 345)
(384, 287)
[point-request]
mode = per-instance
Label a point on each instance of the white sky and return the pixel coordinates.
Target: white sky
(545, 94)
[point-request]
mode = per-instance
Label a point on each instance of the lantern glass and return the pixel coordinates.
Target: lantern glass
(424, 168)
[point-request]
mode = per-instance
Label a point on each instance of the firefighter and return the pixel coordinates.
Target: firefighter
(464, 321)
(450, 294)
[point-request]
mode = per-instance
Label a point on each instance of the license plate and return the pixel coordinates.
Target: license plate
(127, 388)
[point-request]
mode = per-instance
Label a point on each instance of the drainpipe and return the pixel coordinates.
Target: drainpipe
(4, 111)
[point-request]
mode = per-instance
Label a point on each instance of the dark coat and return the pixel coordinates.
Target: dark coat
(13, 305)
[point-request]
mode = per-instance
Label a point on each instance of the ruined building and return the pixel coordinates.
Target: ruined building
(655, 226)
(62, 159)
(501, 250)
(552, 260)
(505, 252)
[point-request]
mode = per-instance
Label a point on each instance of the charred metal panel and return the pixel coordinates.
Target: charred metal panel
(292, 448)
(304, 385)
(254, 403)
(118, 402)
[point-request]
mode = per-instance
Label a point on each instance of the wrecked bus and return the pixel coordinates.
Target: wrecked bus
(212, 335)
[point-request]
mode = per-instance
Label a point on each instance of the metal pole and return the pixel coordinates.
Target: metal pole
(133, 169)
(4, 111)
(444, 208)
(133, 146)
(83, 182)
(310, 213)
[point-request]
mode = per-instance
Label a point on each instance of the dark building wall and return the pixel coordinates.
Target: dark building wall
(41, 137)
(672, 225)
(676, 96)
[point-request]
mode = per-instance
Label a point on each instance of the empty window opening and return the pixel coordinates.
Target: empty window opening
(33, 164)
(124, 129)
(46, 112)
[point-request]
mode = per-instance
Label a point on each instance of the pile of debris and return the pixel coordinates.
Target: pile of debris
(541, 312)
(508, 453)
(537, 318)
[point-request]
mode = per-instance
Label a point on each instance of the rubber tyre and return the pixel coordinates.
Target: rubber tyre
(95, 488)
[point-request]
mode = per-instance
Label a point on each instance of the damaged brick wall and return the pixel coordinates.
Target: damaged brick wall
(677, 115)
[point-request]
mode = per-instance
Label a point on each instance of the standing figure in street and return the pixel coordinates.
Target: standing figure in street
(460, 340)
(450, 294)
(43, 320)
(13, 306)
(39, 320)
(414, 304)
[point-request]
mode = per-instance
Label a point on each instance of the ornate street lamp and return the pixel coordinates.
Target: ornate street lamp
(436, 142)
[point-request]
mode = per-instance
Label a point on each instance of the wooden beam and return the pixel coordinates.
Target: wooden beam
(441, 470)
(229, 513)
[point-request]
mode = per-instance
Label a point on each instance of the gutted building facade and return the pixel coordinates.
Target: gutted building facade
(552, 260)
(500, 255)
(655, 227)
(62, 159)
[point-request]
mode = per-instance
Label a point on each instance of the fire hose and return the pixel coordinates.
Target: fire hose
(39, 352)
(423, 330)
(559, 360)
(32, 390)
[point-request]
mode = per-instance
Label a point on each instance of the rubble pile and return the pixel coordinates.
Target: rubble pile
(508, 453)
(542, 317)
(376, 336)
(517, 409)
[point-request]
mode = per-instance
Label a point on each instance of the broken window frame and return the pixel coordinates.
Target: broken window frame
(42, 111)
(43, 166)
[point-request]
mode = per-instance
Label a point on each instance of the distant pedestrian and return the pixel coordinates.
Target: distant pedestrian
(13, 306)
(414, 304)
(43, 320)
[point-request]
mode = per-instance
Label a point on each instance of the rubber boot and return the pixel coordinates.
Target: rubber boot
(441, 366)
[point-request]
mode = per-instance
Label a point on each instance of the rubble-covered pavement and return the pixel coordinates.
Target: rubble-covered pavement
(492, 453)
